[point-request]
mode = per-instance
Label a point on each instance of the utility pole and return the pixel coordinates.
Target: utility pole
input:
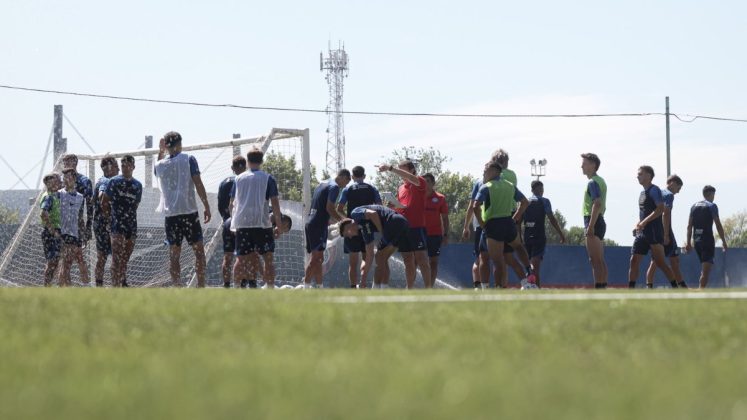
(336, 65)
(236, 149)
(148, 163)
(60, 144)
(669, 160)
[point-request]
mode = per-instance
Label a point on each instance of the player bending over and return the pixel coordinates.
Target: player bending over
(671, 250)
(323, 211)
(375, 218)
(535, 238)
(703, 215)
(120, 202)
(495, 203)
(51, 235)
(72, 226)
(649, 231)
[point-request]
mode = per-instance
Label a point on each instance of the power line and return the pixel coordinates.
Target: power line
(324, 111)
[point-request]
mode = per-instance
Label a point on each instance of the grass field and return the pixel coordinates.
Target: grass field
(87, 353)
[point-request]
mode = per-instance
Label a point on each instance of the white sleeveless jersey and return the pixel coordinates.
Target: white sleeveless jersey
(177, 187)
(250, 206)
(71, 204)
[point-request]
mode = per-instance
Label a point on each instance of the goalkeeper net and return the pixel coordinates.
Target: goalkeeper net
(286, 158)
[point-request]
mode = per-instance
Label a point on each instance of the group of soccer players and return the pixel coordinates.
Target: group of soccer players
(415, 224)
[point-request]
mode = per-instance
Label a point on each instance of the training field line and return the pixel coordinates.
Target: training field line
(530, 296)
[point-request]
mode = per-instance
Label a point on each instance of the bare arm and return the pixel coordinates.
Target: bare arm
(276, 215)
(106, 207)
(666, 219)
(688, 246)
(161, 148)
(200, 187)
(477, 211)
(651, 217)
(332, 210)
(468, 220)
(341, 209)
(407, 176)
(445, 225)
(523, 204)
(720, 230)
(556, 226)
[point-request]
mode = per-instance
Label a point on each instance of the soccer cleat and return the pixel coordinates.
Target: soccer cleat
(244, 283)
(227, 284)
(252, 284)
(526, 284)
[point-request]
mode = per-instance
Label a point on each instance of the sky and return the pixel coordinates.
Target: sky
(415, 56)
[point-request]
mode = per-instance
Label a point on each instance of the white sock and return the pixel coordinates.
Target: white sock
(483, 286)
(384, 286)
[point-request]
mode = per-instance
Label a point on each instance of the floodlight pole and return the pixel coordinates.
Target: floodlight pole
(60, 144)
(149, 163)
(669, 160)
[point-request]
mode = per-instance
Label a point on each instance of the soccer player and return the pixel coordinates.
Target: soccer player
(495, 203)
(84, 186)
(535, 238)
(322, 211)
(50, 216)
(238, 166)
(595, 199)
(179, 177)
(120, 202)
(413, 246)
(436, 224)
(703, 215)
(649, 231)
(481, 264)
(375, 218)
(101, 225)
(359, 193)
(72, 225)
(252, 192)
(671, 250)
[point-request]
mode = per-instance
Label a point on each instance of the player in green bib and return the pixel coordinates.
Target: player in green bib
(595, 199)
(493, 209)
(50, 217)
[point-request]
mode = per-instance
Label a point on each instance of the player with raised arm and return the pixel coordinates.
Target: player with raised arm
(535, 238)
(494, 206)
(649, 231)
(120, 202)
(72, 226)
(101, 224)
(359, 193)
(671, 250)
(595, 199)
(83, 186)
(323, 211)
(436, 223)
(238, 166)
(375, 218)
(703, 215)
(252, 192)
(51, 235)
(413, 246)
(179, 177)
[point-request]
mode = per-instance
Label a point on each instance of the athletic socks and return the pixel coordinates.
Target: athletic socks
(600, 285)
(673, 283)
(227, 284)
(631, 285)
(99, 283)
(682, 284)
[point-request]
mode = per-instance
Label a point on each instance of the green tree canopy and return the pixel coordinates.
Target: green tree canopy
(288, 175)
(8, 216)
(735, 230)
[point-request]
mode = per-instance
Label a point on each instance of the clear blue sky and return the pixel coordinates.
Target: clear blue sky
(434, 56)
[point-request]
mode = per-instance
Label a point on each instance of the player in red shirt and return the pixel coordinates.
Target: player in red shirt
(412, 196)
(436, 223)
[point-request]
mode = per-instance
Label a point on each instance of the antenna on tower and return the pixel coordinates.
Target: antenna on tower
(336, 66)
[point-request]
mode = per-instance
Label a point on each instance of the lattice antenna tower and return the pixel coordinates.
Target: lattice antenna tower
(336, 67)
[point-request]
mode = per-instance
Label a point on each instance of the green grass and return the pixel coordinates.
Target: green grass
(87, 353)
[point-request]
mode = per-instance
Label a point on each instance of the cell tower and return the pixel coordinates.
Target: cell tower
(336, 65)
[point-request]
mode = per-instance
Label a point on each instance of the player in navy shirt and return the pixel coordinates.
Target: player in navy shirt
(535, 238)
(238, 166)
(364, 221)
(671, 250)
(359, 193)
(121, 200)
(703, 215)
(481, 264)
(101, 224)
(83, 186)
(322, 209)
(649, 231)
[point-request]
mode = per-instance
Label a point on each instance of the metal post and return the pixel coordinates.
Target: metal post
(149, 163)
(60, 144)
(236, 149)
(669, 160)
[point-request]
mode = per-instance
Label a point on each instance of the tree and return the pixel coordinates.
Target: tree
(552, 236)
(289, 177)
(735, 230)
(426, 160)
(8, 216)
(456, 188)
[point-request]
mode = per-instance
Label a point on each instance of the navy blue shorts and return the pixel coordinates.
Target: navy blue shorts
(413, 240)
(229, 238)
(395, 231)
(52, 244)
(671, 250)
(434, 245)
(129, 230)
(259, 240)
(72, 240)
(705, 250)
(600, 227)
(183, 226)
(536, 248)
(502, 229)
(316, 237)
(355, 244)
(652, 235)
(103, 240)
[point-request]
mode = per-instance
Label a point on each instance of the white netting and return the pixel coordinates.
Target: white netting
(287, 159)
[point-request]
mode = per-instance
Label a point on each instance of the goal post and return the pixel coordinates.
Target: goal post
(287, 158)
